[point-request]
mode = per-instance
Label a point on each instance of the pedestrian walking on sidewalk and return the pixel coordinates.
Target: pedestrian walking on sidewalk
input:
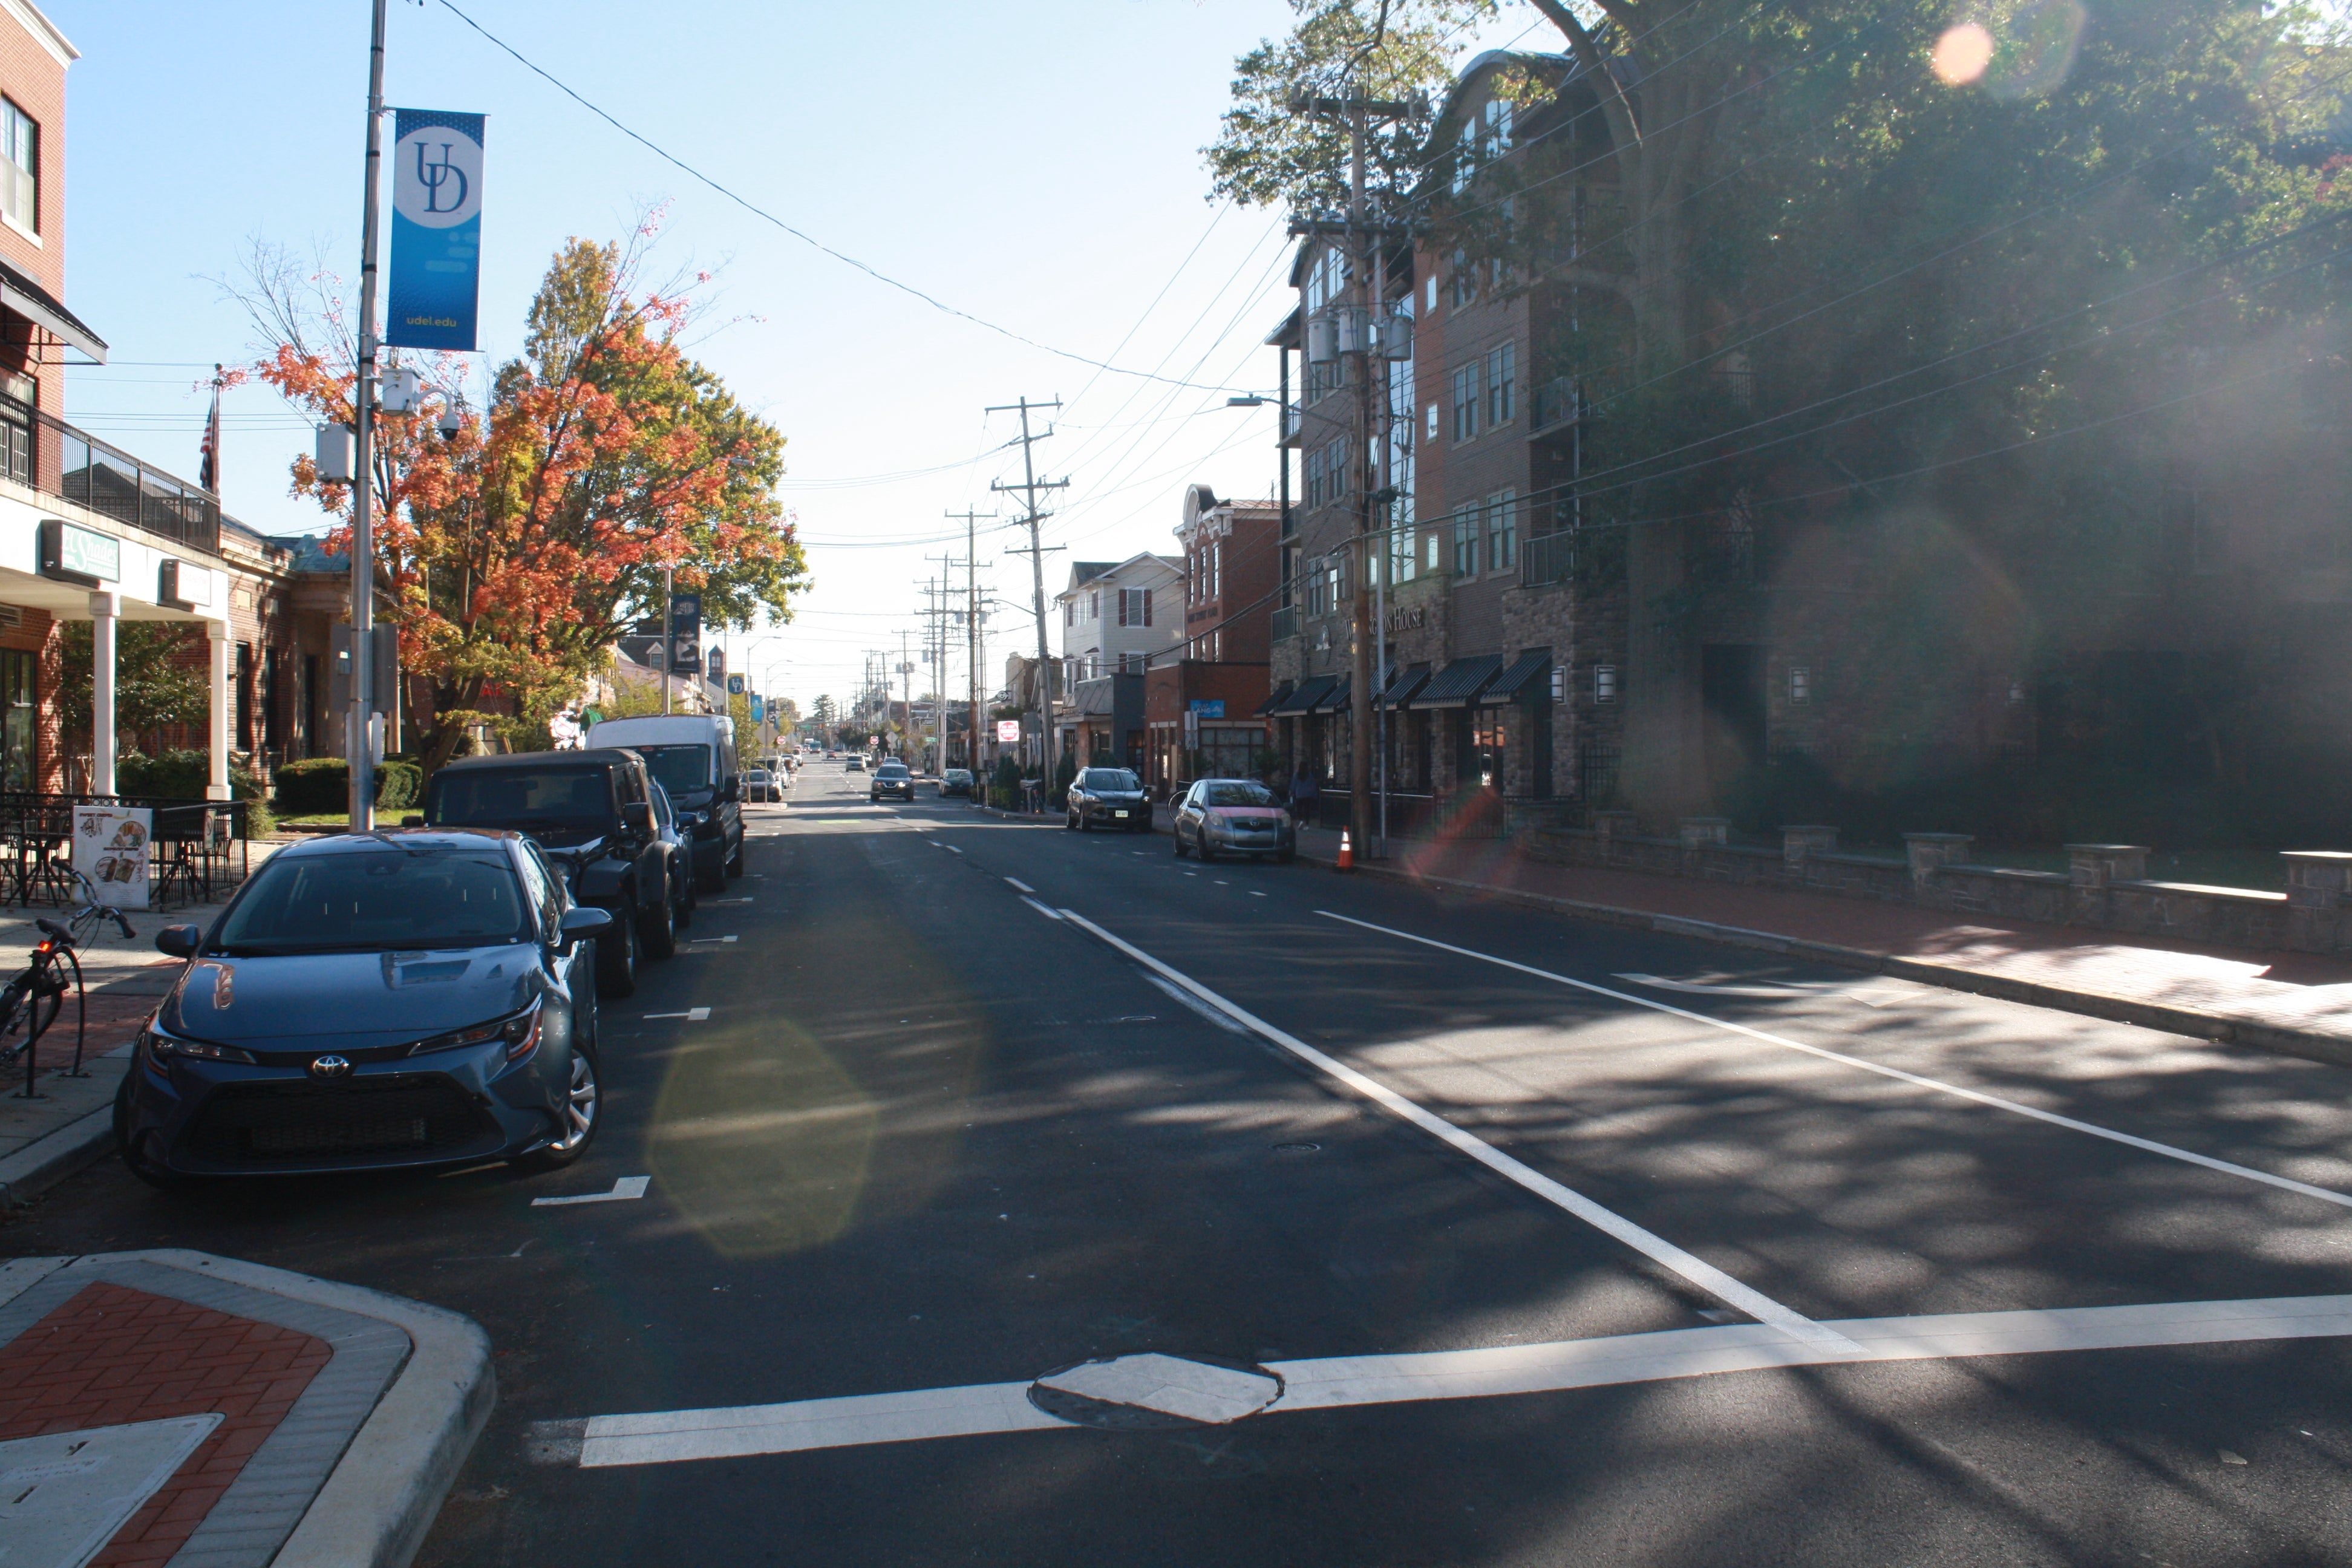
(1303, 791)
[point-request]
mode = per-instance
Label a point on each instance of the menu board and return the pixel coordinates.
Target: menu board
(110, 846)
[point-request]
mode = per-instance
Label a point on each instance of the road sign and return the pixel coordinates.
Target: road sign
(1008, 732)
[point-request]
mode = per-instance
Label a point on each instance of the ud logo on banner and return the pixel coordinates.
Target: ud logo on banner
(436, 229)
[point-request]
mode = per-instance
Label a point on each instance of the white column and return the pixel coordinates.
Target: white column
(104, 608)
(216, 785)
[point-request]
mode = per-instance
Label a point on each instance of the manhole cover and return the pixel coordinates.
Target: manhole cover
(1144, 1393)
(1298, 1148)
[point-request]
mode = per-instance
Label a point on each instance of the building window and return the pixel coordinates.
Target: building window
(20, 168)
(1134, 663)
(1318, 597)
(243, 697)
(1433, 423)
(19, 768)
(16, 440)
(1558, 684)
(1216, 574)
(1432, 291)
(1502, 385)
(1801, 684)
(1326, 278)
(1465, 402)
(1503, 531)
(1135, 606)
(1094, 605)
(1604, 683)
(1465, 542)
(1069, 612)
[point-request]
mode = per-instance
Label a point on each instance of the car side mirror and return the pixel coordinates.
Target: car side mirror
(732, 789)
(638, 816)
(582, 923)
(180, 941)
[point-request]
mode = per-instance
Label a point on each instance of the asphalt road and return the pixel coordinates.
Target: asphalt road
(1783, 1264)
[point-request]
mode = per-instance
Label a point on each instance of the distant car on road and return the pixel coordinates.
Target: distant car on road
(759, 783)
(856, 763)
(892, 779)
(1111, 796)
(373, 1001)
(592, 812)
(956, 780)
(1231, 816)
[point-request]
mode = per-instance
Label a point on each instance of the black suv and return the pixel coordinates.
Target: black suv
(592, 812)
(892, 778)
(1111, 796)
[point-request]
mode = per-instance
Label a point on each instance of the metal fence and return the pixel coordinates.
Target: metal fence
(110, 482)
(1546, 558)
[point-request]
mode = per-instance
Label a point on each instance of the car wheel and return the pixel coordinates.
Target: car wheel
(583, 1106)
(660, 930)
(1070, 821)
(1208, 850)
(140, 1157)
(616, 959)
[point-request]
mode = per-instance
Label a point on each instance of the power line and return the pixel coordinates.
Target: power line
(760, 212)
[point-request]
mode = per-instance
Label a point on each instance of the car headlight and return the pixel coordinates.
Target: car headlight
(519, 1030)
(160, 1047)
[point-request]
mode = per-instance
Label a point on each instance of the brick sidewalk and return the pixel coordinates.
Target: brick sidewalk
(2291, 994)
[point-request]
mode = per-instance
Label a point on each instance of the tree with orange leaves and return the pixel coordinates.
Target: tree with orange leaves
(515, 549)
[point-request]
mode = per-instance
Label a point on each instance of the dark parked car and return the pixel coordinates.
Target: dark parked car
(956, 780)
(371, 1001)
(1111, 796)
(684, 891)
(592, 812)
(1231, 816)
(892, 779)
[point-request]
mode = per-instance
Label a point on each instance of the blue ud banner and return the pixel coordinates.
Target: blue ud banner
(436, 229)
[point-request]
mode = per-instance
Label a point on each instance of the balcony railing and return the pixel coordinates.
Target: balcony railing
(1546, 558)
(1286, 622)
(1557, 403)
(78, 467)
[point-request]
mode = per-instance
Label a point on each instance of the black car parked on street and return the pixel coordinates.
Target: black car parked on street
(1113, 797)
(369, 1001)
(593, 812)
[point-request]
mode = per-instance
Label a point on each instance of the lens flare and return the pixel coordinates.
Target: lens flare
(1962, 54)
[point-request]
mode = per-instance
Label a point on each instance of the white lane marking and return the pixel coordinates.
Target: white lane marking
(1256, 894)
(713, 939)
(1040, 909)
(1194, 1004)
(1708, 988)
(952, 850)
(1022, 886)
(727, 900)
(1223, 884)
(627, 1187)
(692, 1014)
(1657, 1248)
(1996, 1101)
(1330, 1382)
(1170, 1384)
(664, 1437)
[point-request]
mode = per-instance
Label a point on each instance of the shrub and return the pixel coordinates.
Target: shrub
(315, 785)
(1005, 784)
(185, 776)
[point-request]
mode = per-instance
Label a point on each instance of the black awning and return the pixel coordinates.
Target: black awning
(36, 304)
(1404, 682)
(1459, 682)
(1302, 697)
(1266, 708)
(1336, 699)
(1524, 679)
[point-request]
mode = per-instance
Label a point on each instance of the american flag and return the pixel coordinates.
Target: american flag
(208, 462)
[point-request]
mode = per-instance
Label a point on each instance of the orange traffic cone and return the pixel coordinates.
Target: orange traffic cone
(1347, 852)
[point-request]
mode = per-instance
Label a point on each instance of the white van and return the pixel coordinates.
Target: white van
(693, 755)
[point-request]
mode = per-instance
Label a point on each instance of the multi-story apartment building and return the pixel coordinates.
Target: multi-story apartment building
(1202, 708)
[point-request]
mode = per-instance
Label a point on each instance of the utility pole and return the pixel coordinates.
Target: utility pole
(972, 642)
(1364, 238)
(1029, 486)
(359, 754)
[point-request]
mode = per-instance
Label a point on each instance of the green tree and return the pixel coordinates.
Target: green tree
(160, 680)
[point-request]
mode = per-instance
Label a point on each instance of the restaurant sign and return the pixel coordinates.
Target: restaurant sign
(84, 555)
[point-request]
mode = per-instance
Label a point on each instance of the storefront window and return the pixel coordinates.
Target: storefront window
(1487, 742)
(18, 765)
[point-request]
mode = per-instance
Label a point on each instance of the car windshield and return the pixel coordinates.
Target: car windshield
(891, 770)
(366, 899)
(1235, 792)
(958, 775)
(678, 768)
(521, 798)
(1109, 778)
(757, 776)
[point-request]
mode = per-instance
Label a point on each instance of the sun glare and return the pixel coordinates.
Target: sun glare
(1962, 54)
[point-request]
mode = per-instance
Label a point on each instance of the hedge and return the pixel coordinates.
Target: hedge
(318, 786)
(185, 775)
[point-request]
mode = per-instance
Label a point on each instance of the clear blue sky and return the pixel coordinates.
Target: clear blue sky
(1033, 162)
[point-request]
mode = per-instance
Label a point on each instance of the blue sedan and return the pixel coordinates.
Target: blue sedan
(369, 1002)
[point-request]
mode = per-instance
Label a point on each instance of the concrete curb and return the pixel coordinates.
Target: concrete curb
(381, 1496)
(46, 1161)
(2220, 1027)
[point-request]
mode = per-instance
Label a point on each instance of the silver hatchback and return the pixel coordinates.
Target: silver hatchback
(1231, 816)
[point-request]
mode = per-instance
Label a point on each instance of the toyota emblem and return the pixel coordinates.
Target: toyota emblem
(331, 1067)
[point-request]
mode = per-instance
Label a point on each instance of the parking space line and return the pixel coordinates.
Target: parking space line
(2147, 1145)
(1040, 909)
(1655, 1247)
(667, 1436)
(702, 939)
(625, 1188)
(1022, 886)
(692, 1014)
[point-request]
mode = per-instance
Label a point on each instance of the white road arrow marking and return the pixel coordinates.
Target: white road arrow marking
(701, 939)
(692, 1014)
(627, 1187)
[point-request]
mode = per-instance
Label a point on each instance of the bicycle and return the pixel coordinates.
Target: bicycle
(31, 1002)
